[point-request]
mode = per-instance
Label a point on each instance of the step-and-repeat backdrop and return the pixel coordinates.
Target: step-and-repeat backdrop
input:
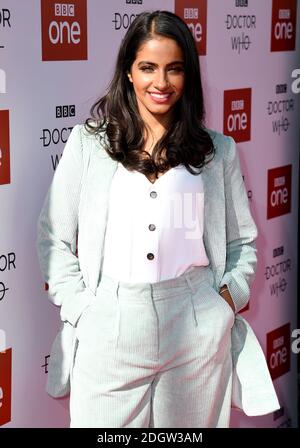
(56, 58)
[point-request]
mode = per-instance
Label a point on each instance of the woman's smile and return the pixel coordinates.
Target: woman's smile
(160, 97)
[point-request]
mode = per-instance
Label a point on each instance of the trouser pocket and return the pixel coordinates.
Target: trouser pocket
(98, 323)
(212, 308)
(225, 309)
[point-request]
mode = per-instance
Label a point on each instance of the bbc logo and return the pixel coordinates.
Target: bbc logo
(65, 111)
(190, 13)
(64, 10)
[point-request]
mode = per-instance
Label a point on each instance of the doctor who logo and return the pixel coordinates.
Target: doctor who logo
(4, 148)
(280, 109)
(64, 30)
(194, 13)
(5, 386)
(5, 18)
(5, 21)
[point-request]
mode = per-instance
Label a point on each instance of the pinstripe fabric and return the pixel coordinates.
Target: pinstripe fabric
(154, 354)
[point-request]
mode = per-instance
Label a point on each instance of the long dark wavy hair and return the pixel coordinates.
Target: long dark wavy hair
(116, 114)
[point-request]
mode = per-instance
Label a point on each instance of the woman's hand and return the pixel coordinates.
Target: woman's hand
(226, 296)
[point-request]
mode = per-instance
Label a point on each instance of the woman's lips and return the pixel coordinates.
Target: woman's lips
(160, 97)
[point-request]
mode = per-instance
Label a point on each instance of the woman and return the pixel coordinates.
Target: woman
(166, 250)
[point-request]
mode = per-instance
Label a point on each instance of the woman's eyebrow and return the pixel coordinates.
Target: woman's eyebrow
(152, 63)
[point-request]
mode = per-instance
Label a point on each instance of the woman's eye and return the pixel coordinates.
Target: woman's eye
(144, 69)
(177, 69)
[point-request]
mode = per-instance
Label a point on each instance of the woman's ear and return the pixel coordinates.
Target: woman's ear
(129, 76)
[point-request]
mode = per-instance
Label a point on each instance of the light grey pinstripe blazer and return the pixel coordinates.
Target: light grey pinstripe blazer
(77, 203)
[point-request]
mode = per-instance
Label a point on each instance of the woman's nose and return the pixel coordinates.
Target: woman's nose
(162, 81)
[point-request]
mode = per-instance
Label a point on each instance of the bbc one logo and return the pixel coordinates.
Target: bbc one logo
(64, 30)
(278, 351)
(4, 148)
(237, 114)
(194, 13)
(5, 386)
(283, 29)
(279, 191)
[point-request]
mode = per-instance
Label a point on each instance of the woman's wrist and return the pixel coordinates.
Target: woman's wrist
(223, 288)
(224, 292)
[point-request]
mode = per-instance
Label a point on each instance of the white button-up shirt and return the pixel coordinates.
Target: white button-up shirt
(154, 230)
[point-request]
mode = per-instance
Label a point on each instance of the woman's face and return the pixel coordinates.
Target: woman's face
(158, 76)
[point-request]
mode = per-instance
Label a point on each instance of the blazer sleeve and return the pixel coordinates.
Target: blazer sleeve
(57, 233)
(241, 232)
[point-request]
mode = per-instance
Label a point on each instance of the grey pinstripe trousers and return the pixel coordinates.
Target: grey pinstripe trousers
(154, 355)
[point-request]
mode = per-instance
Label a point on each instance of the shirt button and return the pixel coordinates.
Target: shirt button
(153, 194)
(150, 256)
(151, 227)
